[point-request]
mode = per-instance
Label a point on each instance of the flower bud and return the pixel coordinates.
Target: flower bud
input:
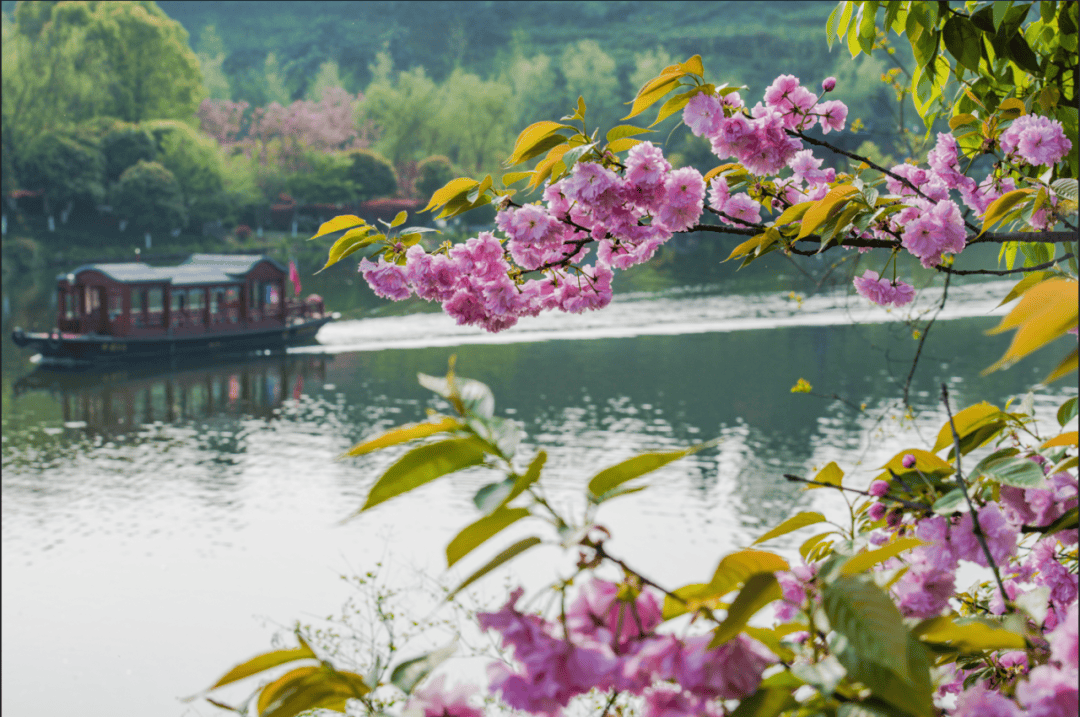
(828, 84)
(908, 461)
(879, 488)
(877, 511)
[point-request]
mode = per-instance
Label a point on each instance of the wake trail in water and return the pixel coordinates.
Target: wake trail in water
(667, 314)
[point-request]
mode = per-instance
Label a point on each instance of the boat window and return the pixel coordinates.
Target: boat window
(178, 300)
(215, 300)
(137, 300)
(69, 305)
(232, 295)
(115, 305)
(154, 300)
(91, 299)
(255, 295)
(195, 299)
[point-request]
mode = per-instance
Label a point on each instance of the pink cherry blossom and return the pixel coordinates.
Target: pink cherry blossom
(436, 700)
(703, 114)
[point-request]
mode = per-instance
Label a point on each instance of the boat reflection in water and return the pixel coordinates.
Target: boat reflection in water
(120, 400)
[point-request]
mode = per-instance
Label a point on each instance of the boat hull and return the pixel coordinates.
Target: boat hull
(88, 349)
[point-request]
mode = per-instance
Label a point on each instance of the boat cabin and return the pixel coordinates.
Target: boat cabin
(207, 293)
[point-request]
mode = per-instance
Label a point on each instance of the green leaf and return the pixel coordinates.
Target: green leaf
(968, 635)
(830, 474)
(962, 40)
(407, 675)
(864, 561)
(867, 30)
(471, 396)
(795, 522)
(513, 551)
(810, 543)
(673, 105)
(423, 465)
(759, 591)
(1067, 412)
(1017, 472)
(399, 219)
(474, 535)
(1002, 205)
(969, 421)
(351, 241)
(864, 613)
(766, 702)
(647, 98)
(951, 502)
(403, 434)
(450, 191)
(865, 619)
(621, 145)
(263, 662)
(310, 688)
(530, 140)
(337, 224)
(625, 130)
(740, 566)
(632, 468)
(1068, 521)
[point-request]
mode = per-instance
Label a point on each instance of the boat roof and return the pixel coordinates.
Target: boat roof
(196, 269)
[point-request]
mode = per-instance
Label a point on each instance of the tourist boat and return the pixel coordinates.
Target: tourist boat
(210, 303)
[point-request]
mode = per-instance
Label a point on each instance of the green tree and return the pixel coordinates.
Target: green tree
(68, 166)
(125, 144)
(371, 173)
(211, 56)
(473, 121)
(433, 172)
(328, 77)
(326, 179)
(403, 110)
(195, 160)
(590, 72)
(148, 196)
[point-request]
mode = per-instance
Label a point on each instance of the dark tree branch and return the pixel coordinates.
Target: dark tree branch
(1003, 272)
(922, 341)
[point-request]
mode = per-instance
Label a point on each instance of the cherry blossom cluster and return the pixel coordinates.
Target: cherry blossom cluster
(631, 212)
(609, 642)
(323, 126)
(929, 583)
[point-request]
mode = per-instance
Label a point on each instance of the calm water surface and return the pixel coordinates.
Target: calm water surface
(155, 520)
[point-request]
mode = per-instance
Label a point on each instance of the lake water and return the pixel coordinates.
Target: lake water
(158, 524)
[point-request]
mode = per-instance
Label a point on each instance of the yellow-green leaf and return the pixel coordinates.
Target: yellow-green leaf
(350, 242)
(477, 533)
(530, 137)
(693, 66)
(621, 145)
(964, 118)
(747, 246)
(424, 464)
(337, 224)
(531, 475)
(508, 554)
(1024, 284)
(759, 591)
(545, 166)
(399, 219)
(1065, 439)
(817, 215)
(673, 105)
(690, 598)
(671, 72)
(632, 468)
(812, 542)
(624, 130)
(718, 170)
(1012, 107)
(263, 662)
(967, 421)
(1045, 312)
(739, 566)
(1063, 369)
(831, 474)
(867, 560)
(795, 522)
(402, 434)
(924, 461)
(514, 177)
(968, 635)
(793, 213)
(449, 191)
(648, 98)
(1002, 205)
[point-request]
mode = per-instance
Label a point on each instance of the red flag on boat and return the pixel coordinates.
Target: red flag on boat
(294, 276)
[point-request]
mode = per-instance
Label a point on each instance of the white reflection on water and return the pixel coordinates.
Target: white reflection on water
(672, 313)
(135, 562)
